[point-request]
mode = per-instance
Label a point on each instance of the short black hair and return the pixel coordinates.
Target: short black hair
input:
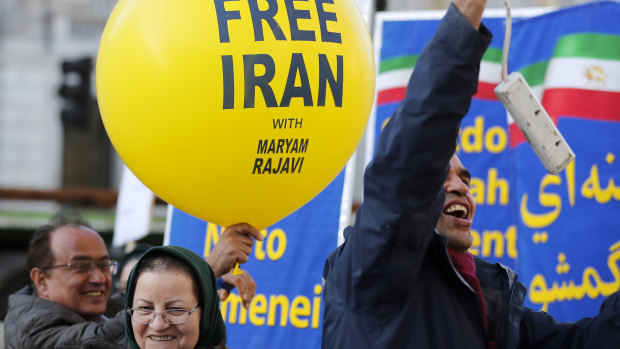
(39, 253)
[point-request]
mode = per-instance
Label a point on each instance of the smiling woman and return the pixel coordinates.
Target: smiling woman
(172, 302)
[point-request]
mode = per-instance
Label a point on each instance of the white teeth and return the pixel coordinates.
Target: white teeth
(161, 338)
(457, 207)
(93, 294)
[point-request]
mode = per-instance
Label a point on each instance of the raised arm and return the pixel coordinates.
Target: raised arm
(403, 194)
(472, 10)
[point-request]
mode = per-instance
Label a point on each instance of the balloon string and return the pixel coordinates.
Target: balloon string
(237, 269)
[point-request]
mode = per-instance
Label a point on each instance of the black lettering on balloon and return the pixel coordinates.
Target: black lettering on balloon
(298, 67)
(324, 16)
(267, 15)
(294, 15)
(252, 81)
(223, 17)
(326, 75)
(228, 75)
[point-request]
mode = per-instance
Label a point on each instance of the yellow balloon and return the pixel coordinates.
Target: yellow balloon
(235, 110)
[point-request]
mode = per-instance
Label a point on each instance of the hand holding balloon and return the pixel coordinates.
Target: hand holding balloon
(234, 246)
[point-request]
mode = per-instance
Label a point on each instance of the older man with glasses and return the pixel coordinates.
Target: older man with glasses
(71, 272)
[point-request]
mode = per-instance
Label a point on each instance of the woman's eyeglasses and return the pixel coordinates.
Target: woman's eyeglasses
(174, 316)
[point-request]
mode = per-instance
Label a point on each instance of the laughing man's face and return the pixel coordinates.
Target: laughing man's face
(458, 211)
(85, 293)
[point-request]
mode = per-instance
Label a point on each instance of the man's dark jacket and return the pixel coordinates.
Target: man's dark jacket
(392, 283)
(36, 323)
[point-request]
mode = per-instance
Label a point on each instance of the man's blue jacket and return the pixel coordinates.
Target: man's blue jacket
(392, 284)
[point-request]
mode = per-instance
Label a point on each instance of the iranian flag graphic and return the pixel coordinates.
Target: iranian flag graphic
(394, 75)
(581, 80)
(571, 59)
(398, 48)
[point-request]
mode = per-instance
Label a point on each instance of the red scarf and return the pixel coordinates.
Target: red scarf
(465, 265)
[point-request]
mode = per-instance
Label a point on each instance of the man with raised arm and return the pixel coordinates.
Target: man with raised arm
(403, 277)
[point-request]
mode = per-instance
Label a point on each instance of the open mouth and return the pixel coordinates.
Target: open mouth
(456, 210)
(93, 293)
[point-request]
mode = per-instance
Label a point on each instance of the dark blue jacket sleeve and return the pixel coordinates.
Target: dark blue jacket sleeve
(540, 330)
(403, 193)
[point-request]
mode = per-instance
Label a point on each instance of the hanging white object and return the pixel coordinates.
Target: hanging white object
(532, 119)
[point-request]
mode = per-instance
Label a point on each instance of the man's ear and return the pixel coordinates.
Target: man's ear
(39, 279)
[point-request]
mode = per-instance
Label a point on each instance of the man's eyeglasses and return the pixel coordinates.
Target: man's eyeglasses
(83, 267)
(175, 316)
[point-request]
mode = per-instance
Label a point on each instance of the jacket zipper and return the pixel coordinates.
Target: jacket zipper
(505, 309)
(479, 312)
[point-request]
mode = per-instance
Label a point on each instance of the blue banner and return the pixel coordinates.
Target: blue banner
(569, 241)
(287, 267)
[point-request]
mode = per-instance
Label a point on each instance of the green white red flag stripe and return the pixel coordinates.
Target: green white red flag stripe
(394, 75)
(581, 80)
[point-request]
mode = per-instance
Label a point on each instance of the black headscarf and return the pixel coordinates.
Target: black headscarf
(212, 328)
